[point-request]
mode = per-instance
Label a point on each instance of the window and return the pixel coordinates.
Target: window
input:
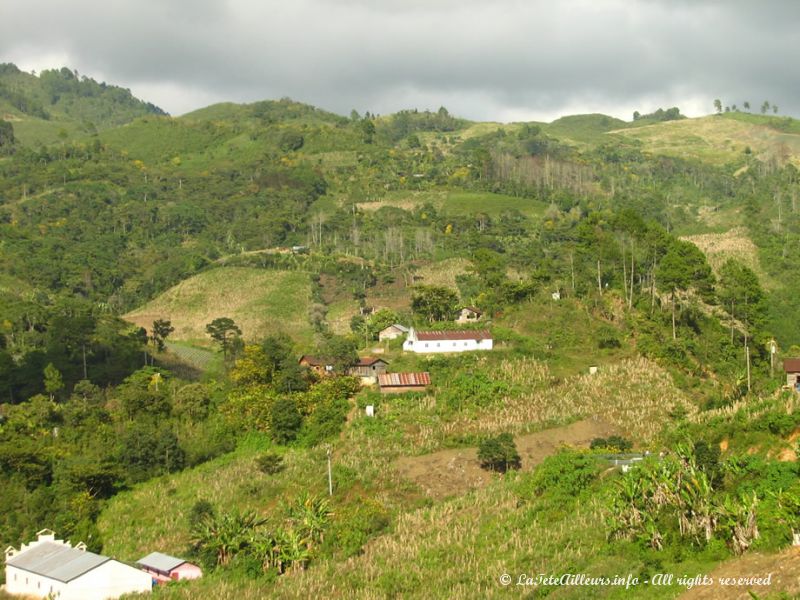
(438, 344)
(426, 344)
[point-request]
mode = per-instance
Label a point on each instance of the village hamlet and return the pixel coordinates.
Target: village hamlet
(399, 300)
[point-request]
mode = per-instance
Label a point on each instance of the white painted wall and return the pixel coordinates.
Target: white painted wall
(445, 346)
(110, 580)
(27, 584)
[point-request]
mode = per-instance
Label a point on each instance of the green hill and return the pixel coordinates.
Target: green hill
(584, 128)
(633, 277)
(60, 104)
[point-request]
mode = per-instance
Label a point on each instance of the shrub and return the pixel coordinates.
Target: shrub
(202, 509)
(326, 421)
(499, 453)
(614, 442)
(608, 337)
(562, 477)
(285, 420)
(270, 463)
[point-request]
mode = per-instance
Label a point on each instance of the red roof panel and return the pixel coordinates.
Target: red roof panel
(791, 365)
(404, 379)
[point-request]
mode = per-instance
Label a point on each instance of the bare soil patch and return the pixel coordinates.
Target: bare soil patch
(452, 472)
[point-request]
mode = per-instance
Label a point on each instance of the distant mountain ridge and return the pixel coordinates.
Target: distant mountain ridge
(42, 106)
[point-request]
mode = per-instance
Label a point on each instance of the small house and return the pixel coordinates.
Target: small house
(163, 568)
(792, 368)
(52, 568)
(469, 314)
(368, 368)
(366, 311)
(459, 340)
(397, 383)
(392, 332)
(321, 366)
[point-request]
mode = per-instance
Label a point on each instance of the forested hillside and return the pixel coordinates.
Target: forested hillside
(160, 277)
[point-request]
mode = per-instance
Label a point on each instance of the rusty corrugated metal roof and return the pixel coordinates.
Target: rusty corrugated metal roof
(791, 365)
(404, 379)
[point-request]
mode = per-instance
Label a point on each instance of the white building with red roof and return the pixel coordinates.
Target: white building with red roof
(457, 340)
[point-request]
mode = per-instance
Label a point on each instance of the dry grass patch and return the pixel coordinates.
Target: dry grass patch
(456, 550)
(719, 247)
(635, 395)
(715, 139)
(261, 302)
(443, 272)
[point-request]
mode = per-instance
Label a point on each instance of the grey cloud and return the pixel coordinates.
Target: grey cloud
(484, 60)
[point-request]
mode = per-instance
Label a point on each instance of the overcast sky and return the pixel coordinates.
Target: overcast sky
(500, 60)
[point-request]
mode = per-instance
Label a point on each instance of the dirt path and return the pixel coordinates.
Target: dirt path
(452, 472)
(785, 569)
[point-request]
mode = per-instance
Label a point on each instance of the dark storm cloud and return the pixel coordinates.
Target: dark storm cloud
(501, 60)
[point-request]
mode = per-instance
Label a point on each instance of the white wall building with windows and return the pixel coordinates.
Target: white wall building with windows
(459, 340)
(55, 568)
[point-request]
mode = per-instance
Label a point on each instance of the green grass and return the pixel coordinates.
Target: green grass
(781, 123)
(160, 139)
(492, 204)
(200, 358)
(589, 129)
(457, 202)
(261, 302)
(135, 522)
(38, 132)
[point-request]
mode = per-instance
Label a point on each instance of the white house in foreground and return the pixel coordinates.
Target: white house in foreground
(51, 567)
(457, 340)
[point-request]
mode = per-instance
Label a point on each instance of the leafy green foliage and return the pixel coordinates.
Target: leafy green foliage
(225, 332)
(434, 303)
(285, 420)
(613, 442)
(499, 453)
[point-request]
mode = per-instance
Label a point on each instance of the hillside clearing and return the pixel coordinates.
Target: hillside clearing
(261, 302)
(715, 140)
(449, 472)
(443, 272)
(736, 244)
(458, 202)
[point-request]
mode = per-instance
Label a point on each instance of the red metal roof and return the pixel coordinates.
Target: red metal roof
(368, 361)
(454, 334)
(791, 365)
(404, 379)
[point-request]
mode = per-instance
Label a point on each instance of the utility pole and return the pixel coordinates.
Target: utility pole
(773, 349)
(330, 476)
(747, 353)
